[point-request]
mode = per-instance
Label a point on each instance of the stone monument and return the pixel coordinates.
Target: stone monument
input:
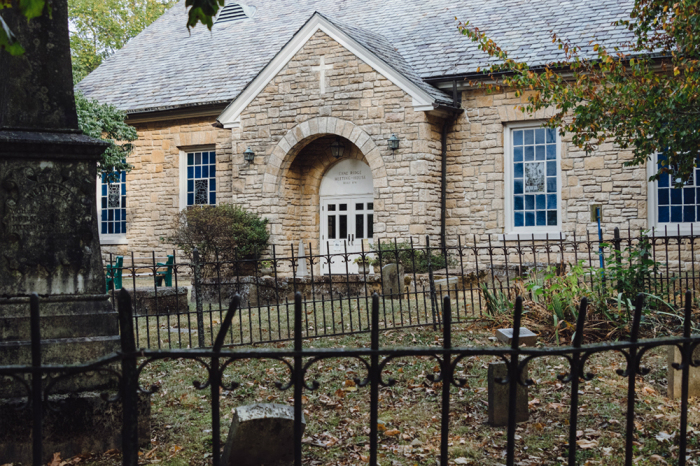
(49, 240)
(262, 433)
(392, 280)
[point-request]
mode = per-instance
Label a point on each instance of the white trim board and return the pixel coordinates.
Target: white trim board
(230, 117)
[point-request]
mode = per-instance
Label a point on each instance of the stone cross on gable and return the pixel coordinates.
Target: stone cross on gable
(322, 73)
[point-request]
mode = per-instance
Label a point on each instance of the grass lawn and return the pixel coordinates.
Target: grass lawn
(337, 413)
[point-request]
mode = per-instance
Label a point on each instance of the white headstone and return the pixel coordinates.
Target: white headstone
(302, 269)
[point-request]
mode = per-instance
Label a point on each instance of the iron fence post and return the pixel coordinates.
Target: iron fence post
(129, 382)
(197, 270)
(37, 402)
(686, 362)
(632, 369)
(513, 376)
(575, 376)
(374, 382)
(446, 379)
(298, 379)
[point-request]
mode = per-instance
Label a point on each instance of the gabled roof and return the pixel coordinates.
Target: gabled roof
(372, 48)
(166, 67)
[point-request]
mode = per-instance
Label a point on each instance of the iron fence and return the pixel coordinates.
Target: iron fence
(189, 312)
(374, 359)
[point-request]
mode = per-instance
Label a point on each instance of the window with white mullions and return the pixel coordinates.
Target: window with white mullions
(677, 206)
(532, 174)
(113, 205)
(201, 178)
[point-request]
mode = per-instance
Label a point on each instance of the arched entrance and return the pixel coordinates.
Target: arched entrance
(347, 214)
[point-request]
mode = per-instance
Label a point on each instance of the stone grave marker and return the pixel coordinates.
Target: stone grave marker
(261, 434)
(499, 403)
(302, 269)
(527, 337)
(392, 279)
(674, 376)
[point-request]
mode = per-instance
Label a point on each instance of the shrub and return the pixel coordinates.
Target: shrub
(221, 233)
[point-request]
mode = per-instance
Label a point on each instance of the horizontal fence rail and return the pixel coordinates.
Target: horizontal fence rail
(374, 359)
(181, 303)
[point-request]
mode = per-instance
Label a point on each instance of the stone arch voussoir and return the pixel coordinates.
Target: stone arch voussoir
(302, 134)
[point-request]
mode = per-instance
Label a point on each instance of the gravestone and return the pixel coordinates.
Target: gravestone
(303, 269)
(499, 401)
(261, 434)
(527, 337)
(392, 279)
(674, 376)
(49, 241)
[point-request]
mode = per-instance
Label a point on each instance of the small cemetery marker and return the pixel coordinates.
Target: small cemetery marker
(392, 279)
(498, 393)
(261, 434)
(498, 397)
(674, 376)
(527, 338)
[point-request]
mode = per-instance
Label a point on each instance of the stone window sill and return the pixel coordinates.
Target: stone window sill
(110, 240)
(532, 236)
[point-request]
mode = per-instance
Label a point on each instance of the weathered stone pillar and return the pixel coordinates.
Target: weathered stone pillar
(49, 240)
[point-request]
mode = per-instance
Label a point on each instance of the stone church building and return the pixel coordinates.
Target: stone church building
(345, 120)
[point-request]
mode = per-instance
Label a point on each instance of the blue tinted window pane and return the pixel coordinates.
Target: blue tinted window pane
(529, 136)
(539, 136)
(541, 202)
(529, 153)
(123, 177)
(541, 218)
(551, 185)
(190, 185)
(689, 213)
(663, 197)
(104, 215)
(190, 159)
(551, 152)
(212, 198)
(117, 215)
(110, 215)
(212, 171)
(552, 217)
(104, 189)
(676, 196)
(519, 220)
(529, 219)
(205, 158)
(689, 196)
(104, 228)
(197, 158)
(123, 201)
(123, 189)
(676, 214)
(663, 180)
(551, 136)
(190, 172)
(518, 173)
(190, 199)
(517, 138)
(519, 203)
(124, 214)
(539, 152)
(212, 185)
(197, 172)
(551, 168)
(518, 154)
(117, 228)
(104, 202)
(518, 187)
(123, 227)
(110, 228)
(530, 202)
(205, 172)
(551, 201)
(664, 214)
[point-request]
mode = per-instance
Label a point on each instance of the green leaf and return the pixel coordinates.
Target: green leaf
(32, 8)
(8, 41)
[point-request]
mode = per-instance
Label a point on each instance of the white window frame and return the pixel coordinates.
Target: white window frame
(107, 239)
(663, 229)
(534, 232)
(183, 172)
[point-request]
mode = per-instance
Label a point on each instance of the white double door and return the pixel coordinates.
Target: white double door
(346, 222)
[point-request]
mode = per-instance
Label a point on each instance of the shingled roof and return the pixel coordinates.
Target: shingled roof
(166, 67)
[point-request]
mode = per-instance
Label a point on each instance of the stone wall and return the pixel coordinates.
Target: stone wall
(153, 186)
(364, 108)
(476, 175)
